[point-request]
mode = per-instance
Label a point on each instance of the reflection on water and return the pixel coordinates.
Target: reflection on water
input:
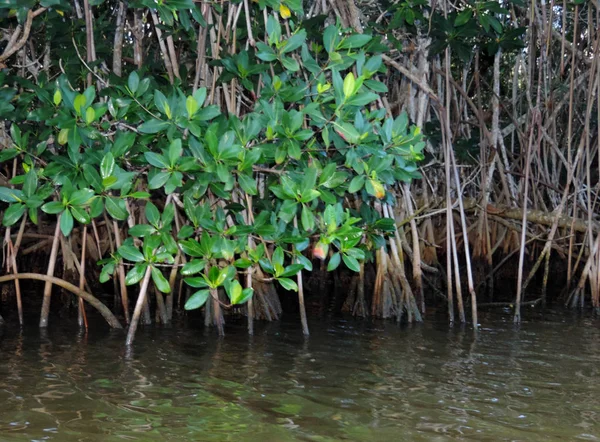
(351, 380)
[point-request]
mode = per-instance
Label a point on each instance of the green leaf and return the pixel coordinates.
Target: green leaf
(354, 41)
(193, 267)
(309, 195)
(307, 218)
(306, 263)
(236, 294)
(57, 97)
(9, 195)
(234, 290)
(136, 274)
(363, 99)
(247, 183)
(357, 183)
(242, 263)
(185, 232)
(347, 132)
(133, 82)
(294, 42)
(158, 180)
(197, 300)
(79, 103)
(81, 197)
(152, 213)
(192, 248)
(116, 208)
(13, 214)
(278, 256)
(153, 126)
(309, 180)
(90, 115)
(141, 230)
(191, 106)
(247, 293)
(175, 151)
(330, 38)
(327, 173)
(292, 270)
(131, 253)
(31, 183)
(197, 282)
(53, 207)
(290, 64)
(160, 281)
(156, 160)
(223, 274)
(351, 263)
(349, 83)
(107, 166)
(463, 17)
(66, 222)
(80, 215)
(288, 284)
(334, 262)
(376, 86)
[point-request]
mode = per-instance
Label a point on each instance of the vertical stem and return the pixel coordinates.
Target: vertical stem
(118, 42)
(416, 261)
(121, 273)
(214, 293)
(89, 33)
(161, 308)
(201, 67)
(48, 286)
(81, 316)
(138, 33)
(517, 317)
(138, 307)
(12, 252)
(207, 314)
(301, 295)
(163, 48)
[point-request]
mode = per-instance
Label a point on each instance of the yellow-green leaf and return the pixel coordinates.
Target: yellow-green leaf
(191, 106)
(284, 11)
(349, 84)
(63, 136)
(90, 115)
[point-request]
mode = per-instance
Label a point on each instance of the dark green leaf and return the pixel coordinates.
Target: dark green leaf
(160, 281)
(288, 284)
(131, 253)
(66, 222)
(197, 300)
(351, 263)
(13, 213)
(136, 274)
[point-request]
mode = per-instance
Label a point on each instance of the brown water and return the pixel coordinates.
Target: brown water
(351, 380)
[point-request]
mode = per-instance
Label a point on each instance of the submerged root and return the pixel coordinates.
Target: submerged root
(266, 302)
(392, 294)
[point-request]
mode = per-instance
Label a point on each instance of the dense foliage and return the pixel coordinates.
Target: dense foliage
(228, 144)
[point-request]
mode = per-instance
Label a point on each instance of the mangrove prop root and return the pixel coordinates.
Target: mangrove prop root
(137, 312)
(48, 287)
(91, 299)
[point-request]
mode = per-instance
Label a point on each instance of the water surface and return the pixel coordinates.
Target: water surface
(351, 380)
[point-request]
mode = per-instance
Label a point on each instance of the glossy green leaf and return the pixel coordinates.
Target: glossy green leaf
(66, 222)
(13, 213)
(136, 274)
(160, 281)
(131, 253)
(288, 284)
(197, 300)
